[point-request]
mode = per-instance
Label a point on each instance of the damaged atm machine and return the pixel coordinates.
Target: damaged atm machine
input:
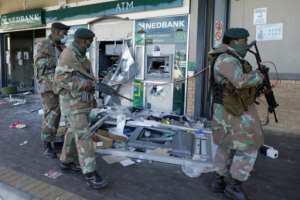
(142, 70)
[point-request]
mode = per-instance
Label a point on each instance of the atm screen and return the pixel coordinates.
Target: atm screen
(158, 64)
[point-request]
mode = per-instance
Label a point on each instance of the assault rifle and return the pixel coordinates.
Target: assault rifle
(266, 86)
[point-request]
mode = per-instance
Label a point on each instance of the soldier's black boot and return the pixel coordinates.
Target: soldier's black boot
(69, 167)
(234, 190)
(48, 150)
(218, 185)
(95, 181)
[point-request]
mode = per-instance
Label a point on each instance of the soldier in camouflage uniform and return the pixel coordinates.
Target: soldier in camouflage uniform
(76, 85)
(236, 125)
(45, 62)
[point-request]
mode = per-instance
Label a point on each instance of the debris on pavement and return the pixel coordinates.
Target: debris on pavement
(27, 93)
(2, 102)
(53, 174)
(127, 162)
(18, 125)
(159, 151)
(35, 110)
(40, 112)
(19, 102)
(102, 141)
(111, 159)
(154, 136)
(24, 143)
(269, 151)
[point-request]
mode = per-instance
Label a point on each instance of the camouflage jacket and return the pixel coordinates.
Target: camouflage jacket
(71, 74)
(236, 132)
(45, 60)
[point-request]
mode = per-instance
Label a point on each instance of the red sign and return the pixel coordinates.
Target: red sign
(218, 30)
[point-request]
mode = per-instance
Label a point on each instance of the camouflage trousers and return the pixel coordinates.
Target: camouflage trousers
(234, 163)
(51, 118)
(77, 147)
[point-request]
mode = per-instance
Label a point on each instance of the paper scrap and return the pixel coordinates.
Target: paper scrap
(41, 112)
(53, 174)
(18, 125)
(127, 162)
(23, 143)
(110, 159)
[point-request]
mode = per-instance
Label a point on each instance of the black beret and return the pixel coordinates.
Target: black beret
(84, 33)
(236, 33)
(60, 26)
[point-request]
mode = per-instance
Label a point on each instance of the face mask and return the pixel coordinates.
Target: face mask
(83, 51)
(64, 39)
(241, 49)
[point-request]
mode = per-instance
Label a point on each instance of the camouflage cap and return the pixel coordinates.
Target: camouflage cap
(84, 33)
(236, 33)
(60, 26)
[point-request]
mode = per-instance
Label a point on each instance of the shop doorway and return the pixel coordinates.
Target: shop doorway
(19, 53)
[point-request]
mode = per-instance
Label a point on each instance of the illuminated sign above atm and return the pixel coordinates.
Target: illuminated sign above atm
(162, 25)
(166, 24)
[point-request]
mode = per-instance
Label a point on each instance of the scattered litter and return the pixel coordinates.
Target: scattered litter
(23, 143)
(53, 174)
(159, 151)
(18, 125)
(191, 170)
(111, 159)
(22, 112)
(27, 93)
(119, 129)
(19, 102)
(102, 141)
(2, 102)
(152, 136)
(41, 112)
(127, 162)
(34, 110)
(269, 151)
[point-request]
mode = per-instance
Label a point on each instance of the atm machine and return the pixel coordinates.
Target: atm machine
(159, 61)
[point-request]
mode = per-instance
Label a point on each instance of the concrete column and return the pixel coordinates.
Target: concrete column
(199, 44)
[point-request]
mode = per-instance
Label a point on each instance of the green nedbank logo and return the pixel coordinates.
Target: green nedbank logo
(28, 19)
(162, 25)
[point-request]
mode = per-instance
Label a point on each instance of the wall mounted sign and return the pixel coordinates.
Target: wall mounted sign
(22, 19)
(110, 8)
(267, 32)
(260, 16)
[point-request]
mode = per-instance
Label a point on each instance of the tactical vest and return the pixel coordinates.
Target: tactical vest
(235, 101)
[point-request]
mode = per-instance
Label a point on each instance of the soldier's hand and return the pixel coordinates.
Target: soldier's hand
(89, 86)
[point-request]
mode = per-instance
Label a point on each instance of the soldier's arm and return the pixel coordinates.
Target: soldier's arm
(66, 78)
(40, 60)
(230, 68)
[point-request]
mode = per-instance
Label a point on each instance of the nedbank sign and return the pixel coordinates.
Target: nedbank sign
(22, 19)
(162, 25)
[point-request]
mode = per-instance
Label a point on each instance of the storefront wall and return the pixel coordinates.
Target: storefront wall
(21, 29)
(282, 50)
(127, 28)
(279, 46)
(121, 28)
